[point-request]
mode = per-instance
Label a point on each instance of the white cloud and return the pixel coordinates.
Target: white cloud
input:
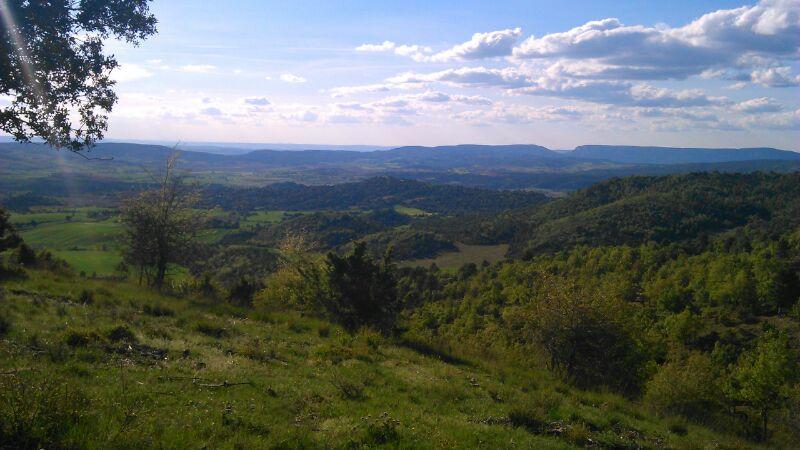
(290, 78)
(365, 89)
(775, 77)
(759, 105)
(789, 120)
(722, 39)
(482, 45)
(415, 52)
(473, 76)
(130, 72)
(197, 68)
(386, 46)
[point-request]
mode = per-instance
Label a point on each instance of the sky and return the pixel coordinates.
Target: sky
(560, 74)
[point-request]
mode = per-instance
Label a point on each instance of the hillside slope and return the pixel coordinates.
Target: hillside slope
(111, 365)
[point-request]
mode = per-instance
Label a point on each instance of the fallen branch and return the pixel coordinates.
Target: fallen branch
(16, 371)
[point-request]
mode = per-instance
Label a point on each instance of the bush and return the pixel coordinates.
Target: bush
(362, 292)
(5, 325)
(688, 388)
(210, 329)
(157, 311)
(39, 413)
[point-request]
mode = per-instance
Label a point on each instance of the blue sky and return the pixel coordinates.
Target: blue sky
(560, 74)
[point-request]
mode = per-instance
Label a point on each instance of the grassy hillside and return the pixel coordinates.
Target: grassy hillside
(97, 364)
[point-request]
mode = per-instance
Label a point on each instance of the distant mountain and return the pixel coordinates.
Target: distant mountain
(671, 155)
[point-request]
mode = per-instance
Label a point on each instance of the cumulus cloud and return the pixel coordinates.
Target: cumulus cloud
(415, 52)
(291, 78)
(789, 120)
(472, 76)
(482, 45)
(721, 39)
(775, 77)
(519, 114)
(759, 105)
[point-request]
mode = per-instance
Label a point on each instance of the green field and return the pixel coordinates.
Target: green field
(101, 263)
(411, 212)
(262, 218)
(476, 254)
(71, 235)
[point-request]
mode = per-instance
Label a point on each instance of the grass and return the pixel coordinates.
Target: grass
(68, 235)
(262, 217)
(412, 212)
(135, 369)
(90, 262)
(476, 254)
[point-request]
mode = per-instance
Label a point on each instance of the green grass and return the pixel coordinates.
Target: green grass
(102, 263)
(68, 235)
(167, 372)
(262, 217)
(411, 212)
(466, 254)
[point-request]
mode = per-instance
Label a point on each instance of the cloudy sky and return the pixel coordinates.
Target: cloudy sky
(686, 73)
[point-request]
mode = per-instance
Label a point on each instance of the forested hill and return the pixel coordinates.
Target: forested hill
(378, 192)
(670, 155)
(684, 209)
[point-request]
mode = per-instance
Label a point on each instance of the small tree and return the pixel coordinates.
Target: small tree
(762, 377)
(8, 238)
(160, 226)
(362, 292)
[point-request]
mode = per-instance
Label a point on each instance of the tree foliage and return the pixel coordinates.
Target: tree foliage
(160, 226)
(362, 292)
(54, 65)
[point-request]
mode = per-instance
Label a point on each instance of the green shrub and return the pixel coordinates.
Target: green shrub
(210, 329)
(82, 338)
(5, 325)
(688, 388)
(533, 418)
(157, 311)
(39, 413)
(86, 297)
(121, 334)
(362, 292)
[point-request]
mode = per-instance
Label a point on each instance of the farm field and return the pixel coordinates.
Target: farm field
(466, 254)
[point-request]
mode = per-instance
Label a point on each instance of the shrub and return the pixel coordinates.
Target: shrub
(688, 388)
(121, 334)
(82, 338)
(5, 325)
(39, 413)
(531, 417)
(86, 297)
(210, 329)
(157, 311)
(362, 292)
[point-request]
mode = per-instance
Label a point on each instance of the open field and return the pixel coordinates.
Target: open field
(476, 254)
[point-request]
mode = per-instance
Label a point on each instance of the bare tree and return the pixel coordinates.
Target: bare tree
(161, 226)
